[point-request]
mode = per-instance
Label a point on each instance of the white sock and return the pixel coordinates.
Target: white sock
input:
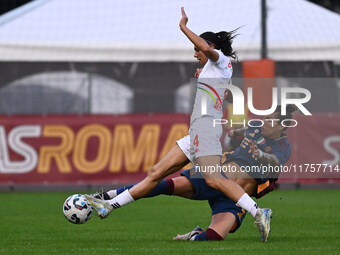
(112, 193)
(122, 199)
(248, 204)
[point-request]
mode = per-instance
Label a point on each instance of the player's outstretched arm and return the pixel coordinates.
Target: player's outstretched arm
(199, 42)
(237, 132)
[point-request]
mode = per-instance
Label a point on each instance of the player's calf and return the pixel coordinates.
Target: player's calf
(198, 234)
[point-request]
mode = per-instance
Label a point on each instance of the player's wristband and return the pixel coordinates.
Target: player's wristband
(260, 154)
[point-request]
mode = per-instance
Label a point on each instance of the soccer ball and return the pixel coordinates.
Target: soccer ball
(77, 209)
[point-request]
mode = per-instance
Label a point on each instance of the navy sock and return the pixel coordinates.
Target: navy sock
(201, 237)
(165, 187)
(208, 235)
(121, 190)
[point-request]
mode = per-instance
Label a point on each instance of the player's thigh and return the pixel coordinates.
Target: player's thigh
(172, 162)
(205, 138)
(248, 183)
(209, 166)
(183, 187)
(222, 223)
(211, 171)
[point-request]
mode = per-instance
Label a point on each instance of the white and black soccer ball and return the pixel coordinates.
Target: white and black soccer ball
(77, 209)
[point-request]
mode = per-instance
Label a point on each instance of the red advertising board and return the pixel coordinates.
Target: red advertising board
(85, 149)
(97, 149)
(315, 148)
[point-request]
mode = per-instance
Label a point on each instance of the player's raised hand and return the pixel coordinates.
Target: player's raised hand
(184, 20)
(254, 149)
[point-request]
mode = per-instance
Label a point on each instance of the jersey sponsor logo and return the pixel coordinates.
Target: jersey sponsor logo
(208, 90)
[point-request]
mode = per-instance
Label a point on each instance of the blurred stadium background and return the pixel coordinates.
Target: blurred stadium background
(93, 93)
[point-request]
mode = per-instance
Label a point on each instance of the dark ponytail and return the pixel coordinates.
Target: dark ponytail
(222, 41)
(226, 43)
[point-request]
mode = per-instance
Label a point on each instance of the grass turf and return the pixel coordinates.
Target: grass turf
(304, 222)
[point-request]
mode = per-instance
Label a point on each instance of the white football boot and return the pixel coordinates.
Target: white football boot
(102, 207)
(262, 221)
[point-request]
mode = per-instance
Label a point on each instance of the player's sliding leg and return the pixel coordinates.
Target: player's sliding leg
(162, 188)
(220, 226)
(231, 189)
(179, 186)
(190, 235)
(107, 195)
(111, 193)
(171, 163)
(165, 187)
(102, 207)
(103, 203)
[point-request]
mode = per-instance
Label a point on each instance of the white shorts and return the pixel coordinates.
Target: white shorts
(203, 139)
(184, 145)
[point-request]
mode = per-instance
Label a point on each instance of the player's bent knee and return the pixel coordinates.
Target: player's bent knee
(155, 173)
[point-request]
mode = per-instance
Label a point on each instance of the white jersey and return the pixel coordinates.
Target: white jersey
(212, 74)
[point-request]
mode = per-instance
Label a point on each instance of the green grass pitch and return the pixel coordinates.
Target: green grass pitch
(304, 222)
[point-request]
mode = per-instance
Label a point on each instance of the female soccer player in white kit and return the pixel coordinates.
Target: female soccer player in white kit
(212, 50)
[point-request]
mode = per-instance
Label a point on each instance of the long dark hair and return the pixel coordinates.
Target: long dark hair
(222, 41)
